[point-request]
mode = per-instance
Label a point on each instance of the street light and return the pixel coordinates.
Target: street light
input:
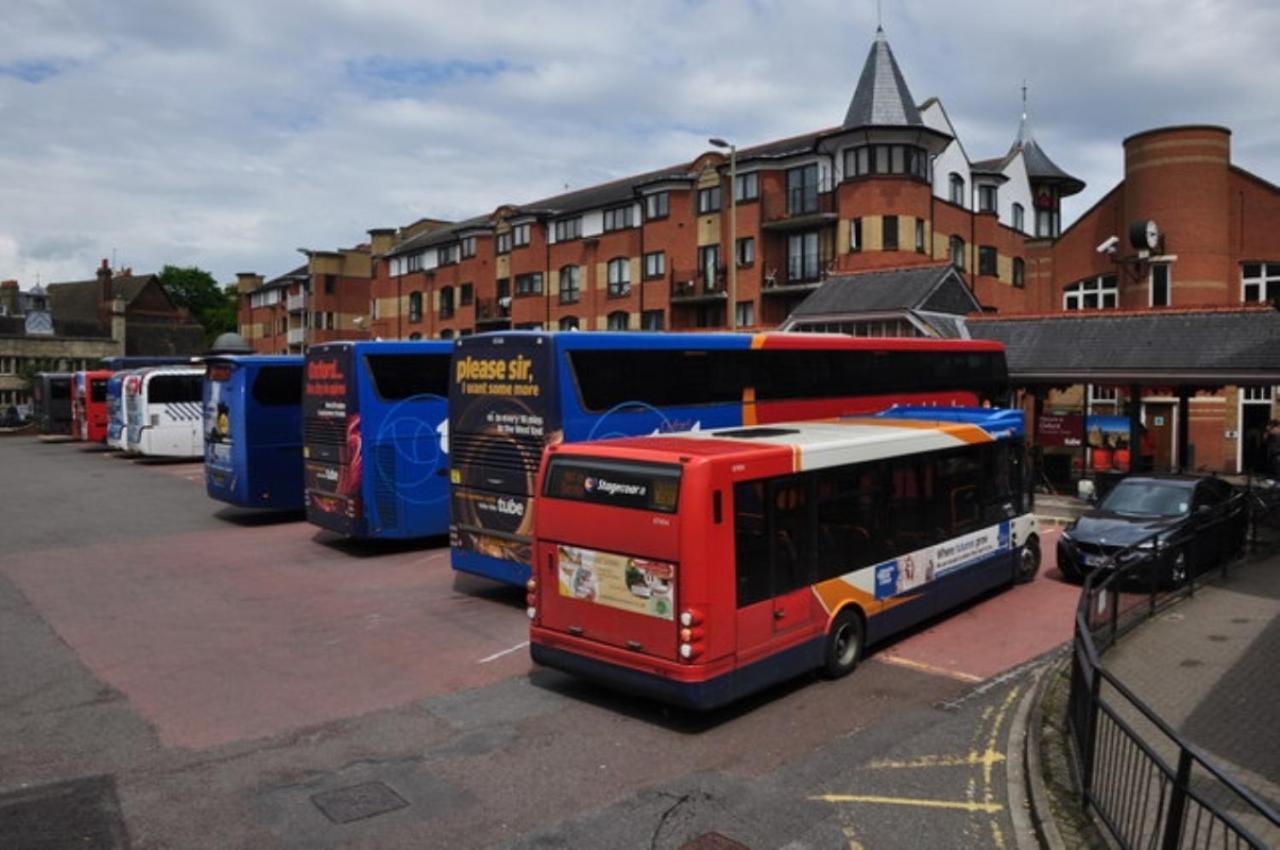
(733, 229)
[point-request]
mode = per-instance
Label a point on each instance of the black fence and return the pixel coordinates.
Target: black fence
(1147, 786)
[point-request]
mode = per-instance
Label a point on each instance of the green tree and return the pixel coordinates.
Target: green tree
(212, 306)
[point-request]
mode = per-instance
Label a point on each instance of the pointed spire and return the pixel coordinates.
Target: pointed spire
(882, 98)
(1040, 168)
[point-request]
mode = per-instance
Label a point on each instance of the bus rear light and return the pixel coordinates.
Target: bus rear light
(690, 651)
(531, 585)
(531, 599)
(691, 617)
(691, 635)
(532, 612)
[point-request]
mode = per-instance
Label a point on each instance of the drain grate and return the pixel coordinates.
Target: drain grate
(357, 802)
(82, 813)
(712, 841)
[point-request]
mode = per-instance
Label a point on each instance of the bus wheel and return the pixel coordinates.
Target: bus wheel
(844, 644)
(1028, 560)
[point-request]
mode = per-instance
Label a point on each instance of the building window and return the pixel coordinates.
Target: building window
(447, 256)
(855, 234)
(415, 336)
(503, 243)
(987, 262)
(619, 277)
(655, 264)
(709, 200)
(987, 199)
(570, 284)
(889, 233)
(1094, 293)
(747, 187)
(617, 320)
(415, 306)
(520, 235)
(617, 218)
(957, 189)
(957, 252)
(803, 257)
(447, 333)
(504, 287)
(1161, 285)
(655, 205)
(709, 264)
(920, 236)
(746, 252)
(569, 228)
(569, 323)
(413, 263)
(802, 190)
(1260, 282)
(1019, 218)
(1019, 272)
(8, 365)
(1099, 394)
(446, 302)
(329, 281)
(469, 246)
(466, 294)
(745, 314)
(1046, 224)
(529, 284)
(651, 320)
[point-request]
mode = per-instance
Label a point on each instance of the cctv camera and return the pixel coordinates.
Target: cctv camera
(1109, 246)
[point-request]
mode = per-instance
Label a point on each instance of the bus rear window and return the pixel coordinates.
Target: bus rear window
(642, 486)
(170, 389)
(401, 376)
(98, 389)
(278, 386)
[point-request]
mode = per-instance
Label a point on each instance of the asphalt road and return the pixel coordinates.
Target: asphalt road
(194, 677)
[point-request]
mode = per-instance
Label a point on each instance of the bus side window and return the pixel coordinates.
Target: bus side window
(792, 534)
(960, 478)
(850, 509)
(751, 542)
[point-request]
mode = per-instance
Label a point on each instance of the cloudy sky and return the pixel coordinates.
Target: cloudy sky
(227, 134)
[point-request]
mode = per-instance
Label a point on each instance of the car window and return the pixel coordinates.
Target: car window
(1149, 498)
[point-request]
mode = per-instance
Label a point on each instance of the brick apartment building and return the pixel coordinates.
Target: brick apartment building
(326, 298)
(891, 186)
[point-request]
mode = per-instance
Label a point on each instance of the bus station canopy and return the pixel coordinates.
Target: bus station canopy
(1185, 347)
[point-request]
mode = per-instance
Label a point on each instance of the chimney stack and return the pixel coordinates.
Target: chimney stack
(8, 298)
(105, 295)
(247, 282)
(382, 240)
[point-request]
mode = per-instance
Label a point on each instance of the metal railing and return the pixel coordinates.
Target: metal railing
(798, 203)
(1148, 786)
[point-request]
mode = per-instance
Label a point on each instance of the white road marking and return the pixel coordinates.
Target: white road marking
(521, 645)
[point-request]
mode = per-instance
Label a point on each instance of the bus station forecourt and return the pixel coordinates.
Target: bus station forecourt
(189, 674)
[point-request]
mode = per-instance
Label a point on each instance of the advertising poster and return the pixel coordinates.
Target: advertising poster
(617, 581)
(218, 437)
(912, 571)
(333, 446)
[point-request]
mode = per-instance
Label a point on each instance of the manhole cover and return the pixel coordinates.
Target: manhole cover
(713, 841)
(82, 813)
(358, 802)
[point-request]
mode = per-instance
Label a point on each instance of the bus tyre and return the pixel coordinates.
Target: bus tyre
(844, 644)
(1028, 561)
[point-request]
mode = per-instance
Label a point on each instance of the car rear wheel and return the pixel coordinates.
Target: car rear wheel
(844, 644)
(1028, 560)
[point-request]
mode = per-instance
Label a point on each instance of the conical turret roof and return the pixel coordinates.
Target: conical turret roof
(882, 98)
(1040, 168)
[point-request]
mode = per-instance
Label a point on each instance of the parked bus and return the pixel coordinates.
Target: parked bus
(119, 364)
(253, 430)
(697, 568)
(163, 411)
(116, 427)
(374, 438)
(513, 393)
(89, 405)
(51, 403)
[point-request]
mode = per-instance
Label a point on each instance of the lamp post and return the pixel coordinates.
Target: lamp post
(733, 229)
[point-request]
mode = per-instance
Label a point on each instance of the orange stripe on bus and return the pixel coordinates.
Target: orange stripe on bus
(835, 593)
(749, 406)
(965, 433)
(757, 341)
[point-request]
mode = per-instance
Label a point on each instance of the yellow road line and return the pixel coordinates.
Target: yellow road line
(928, 668)
(973, 758)
(962, 805)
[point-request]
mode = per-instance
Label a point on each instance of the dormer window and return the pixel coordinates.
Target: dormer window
(957, 189)
(569, 228)
(618, 218)
(987, 199)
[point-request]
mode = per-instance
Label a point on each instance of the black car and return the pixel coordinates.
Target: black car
(1177, 525)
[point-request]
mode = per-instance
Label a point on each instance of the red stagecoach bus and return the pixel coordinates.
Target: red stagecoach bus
(89, 405)
(696, 568)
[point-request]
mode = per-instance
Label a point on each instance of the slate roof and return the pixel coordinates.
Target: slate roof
(889, 290)
(286, 279)
(882, 98)
(1181, 346)
(1039, 167)
(78, 300)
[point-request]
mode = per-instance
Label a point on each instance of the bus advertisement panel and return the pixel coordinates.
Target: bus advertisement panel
(375, 438)
(512, 393)
(698, 568)
(253, 431)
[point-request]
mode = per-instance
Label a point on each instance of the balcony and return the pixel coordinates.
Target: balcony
(798, 209)
(296, 336)
(703, 285)
(296, 303)
(799, 277)
(493, 310)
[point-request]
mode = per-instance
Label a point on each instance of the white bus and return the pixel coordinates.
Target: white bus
(164, 412)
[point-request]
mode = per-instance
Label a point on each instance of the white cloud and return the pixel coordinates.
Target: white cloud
(227, 134)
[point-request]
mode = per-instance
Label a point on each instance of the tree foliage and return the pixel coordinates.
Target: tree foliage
(212, 306)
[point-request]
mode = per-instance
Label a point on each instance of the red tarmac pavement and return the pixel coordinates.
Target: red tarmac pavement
(242, 632)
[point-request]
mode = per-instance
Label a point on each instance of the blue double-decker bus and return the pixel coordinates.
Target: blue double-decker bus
(514, 393)
(253, 430)
(375, 418)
